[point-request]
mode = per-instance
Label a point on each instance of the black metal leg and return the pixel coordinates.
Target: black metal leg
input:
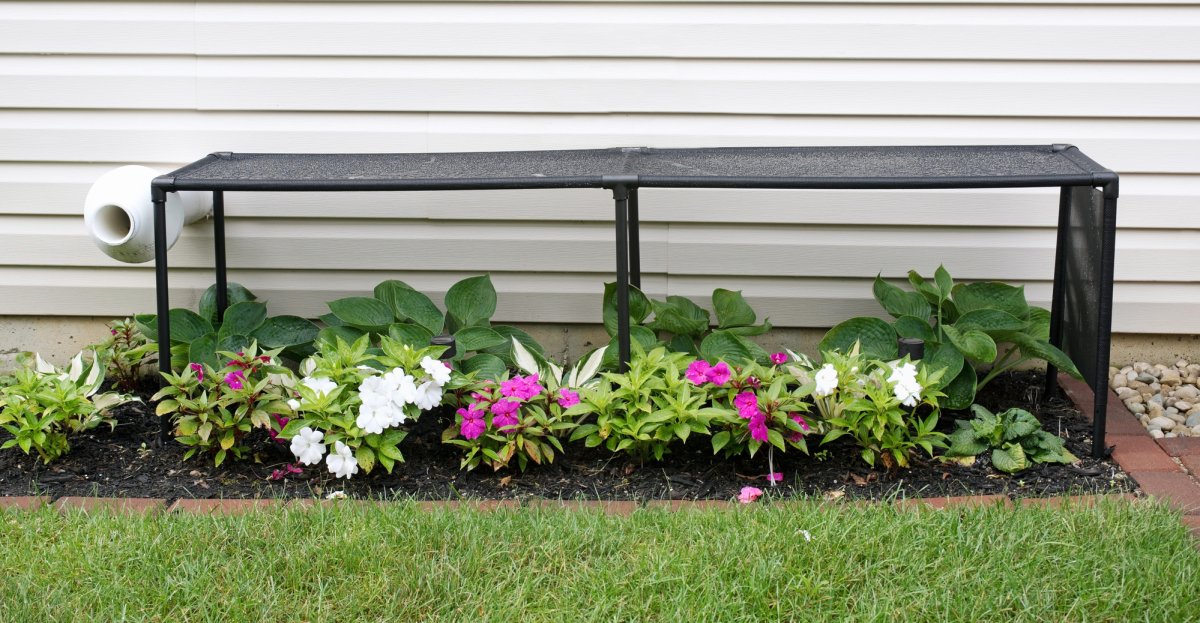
(219, 251)
(159, 199)
(635, 243)
(621, 198)
(1058, 293)
(1104, 322)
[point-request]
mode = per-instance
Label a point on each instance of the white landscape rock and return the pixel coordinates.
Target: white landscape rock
(1165, 397)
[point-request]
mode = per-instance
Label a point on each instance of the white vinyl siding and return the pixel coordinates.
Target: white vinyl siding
(86, 86)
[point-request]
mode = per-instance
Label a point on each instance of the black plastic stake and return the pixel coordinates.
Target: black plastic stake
(913, 347)
(448, 342)
(218, 200)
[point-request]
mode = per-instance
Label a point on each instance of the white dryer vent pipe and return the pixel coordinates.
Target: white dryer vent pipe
(119, 214)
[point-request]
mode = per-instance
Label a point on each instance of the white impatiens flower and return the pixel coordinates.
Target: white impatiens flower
(429, 395)
(827, 381)
(307, 446)
(342, 463)
(294, 404)
(401, 387)
(372, 418)
(436, 370)
(320, 385)
(907, 390)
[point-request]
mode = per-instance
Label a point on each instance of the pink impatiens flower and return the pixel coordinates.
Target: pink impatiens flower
(796, 436)
(779, 358)
(758, 428)
(749, 494)
(522, 387)
(719, 374)
(567, 398)
(697, 373)
(198, 369)
(472, 424)
(504, 414)
(775, 477)
(234, 379)
(747, 404)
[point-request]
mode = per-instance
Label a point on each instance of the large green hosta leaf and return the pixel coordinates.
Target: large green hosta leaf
(990, 295)
(974, 344)
(876, 337)
(898, 302)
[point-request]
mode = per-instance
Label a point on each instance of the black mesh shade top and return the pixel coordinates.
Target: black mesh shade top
(741, 167)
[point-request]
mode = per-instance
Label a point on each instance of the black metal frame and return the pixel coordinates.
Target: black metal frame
(624, 187)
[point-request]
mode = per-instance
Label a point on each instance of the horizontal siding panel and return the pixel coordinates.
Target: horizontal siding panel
(1147, 202)
(1003, 89)
(674, 249)
(719, 86)
(119, 137)
(799, 30)
(1138, 307)
(356, 245)
(725, 31)
(972, 254)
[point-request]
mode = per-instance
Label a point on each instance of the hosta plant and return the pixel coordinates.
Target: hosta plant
(987, 324)
(1015, 437)
(879, 404)
(768, 401)
(43, 405)
(350, 404)
(399, 311)
(202, 338)
(520, 417)
(214, 409)
(645, 410)
(683, 326)
(125, 353)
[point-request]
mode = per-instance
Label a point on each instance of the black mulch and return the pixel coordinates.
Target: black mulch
(126, 463)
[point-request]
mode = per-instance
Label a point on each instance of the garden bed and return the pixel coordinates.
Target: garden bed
(126, 463)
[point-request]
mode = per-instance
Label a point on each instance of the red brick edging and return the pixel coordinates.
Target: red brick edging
(1167, 469)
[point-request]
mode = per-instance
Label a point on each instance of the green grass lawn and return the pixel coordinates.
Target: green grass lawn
(1118, 561)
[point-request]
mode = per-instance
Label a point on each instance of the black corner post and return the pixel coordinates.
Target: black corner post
(1108, 253)
(218, 210)
(158, 196)
(635, 242)
(621, 199)
(1058, 294)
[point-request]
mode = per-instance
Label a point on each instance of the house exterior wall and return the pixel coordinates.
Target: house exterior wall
(87, 86)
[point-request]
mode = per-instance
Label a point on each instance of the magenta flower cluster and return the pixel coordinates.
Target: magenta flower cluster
(235, 379)
(747, 407)
(700, 372)
(504, 411)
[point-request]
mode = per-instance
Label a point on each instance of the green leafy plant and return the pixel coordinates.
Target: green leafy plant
(876, 403)
(989, 324)
(356, 399)
(401, 312)
(765, 405)
(125, 353)
(521, 416)
(1015, 437)
(43, 405)
(214, 409)
(200, 337)
(645, 410)
(683, 326)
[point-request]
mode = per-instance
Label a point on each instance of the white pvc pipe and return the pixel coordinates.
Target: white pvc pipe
(119, 214)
